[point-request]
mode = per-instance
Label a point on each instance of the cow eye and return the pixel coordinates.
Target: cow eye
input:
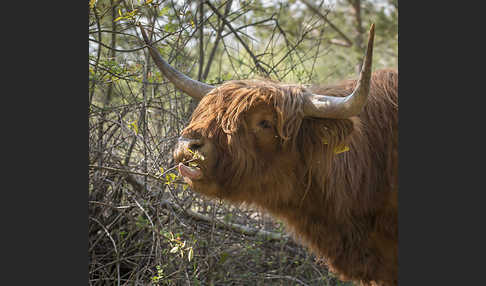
(265, 124)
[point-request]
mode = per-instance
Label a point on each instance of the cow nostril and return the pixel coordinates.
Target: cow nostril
(195, 145)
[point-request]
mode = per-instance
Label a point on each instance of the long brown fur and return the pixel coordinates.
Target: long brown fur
(344, 206)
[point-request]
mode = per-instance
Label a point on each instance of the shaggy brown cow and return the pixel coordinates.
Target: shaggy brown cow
(323, 159)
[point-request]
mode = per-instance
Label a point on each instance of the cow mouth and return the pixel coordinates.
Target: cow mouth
(191, 172)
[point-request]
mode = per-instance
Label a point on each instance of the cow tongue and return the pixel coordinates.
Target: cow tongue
(190, 172)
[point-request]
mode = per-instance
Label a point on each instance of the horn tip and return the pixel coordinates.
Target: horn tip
(371, 38)
(372, 31)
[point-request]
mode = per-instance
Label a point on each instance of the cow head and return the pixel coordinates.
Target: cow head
(248, 134)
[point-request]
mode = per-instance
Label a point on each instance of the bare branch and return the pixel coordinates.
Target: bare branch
(216, 41)
(228, 24)
(323, 17)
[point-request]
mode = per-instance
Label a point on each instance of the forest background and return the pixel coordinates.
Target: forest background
(145, 226)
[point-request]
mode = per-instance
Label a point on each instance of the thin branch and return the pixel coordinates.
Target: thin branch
(114, 246)
(228, 24)
(107, 233)
(251, 24)
(323, 17)
(98, 54)
(117, 50)
(201, 40)
(216, 41)
(127, 171)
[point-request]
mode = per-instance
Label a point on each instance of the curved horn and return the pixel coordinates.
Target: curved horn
(192, 87)
(324, 106)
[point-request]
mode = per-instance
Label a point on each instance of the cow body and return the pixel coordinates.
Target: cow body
(334, 182)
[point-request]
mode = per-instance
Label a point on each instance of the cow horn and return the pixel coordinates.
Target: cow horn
(324, 106)
(194, 88)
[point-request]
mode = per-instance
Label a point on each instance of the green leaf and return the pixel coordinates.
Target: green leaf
(224, 256)
(132, 13)
(190, 254)
(170, 27)
(164, 11)
(341, 149)
(134, 126)
(174, 249)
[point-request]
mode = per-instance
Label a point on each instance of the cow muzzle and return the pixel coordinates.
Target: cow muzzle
(188, 155)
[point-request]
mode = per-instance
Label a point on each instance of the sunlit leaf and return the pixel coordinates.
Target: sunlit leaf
(341, 149)
(190, 254)
(134, 126)
(164, 11)
(174, 249)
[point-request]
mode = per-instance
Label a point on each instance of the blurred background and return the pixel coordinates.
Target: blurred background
(145, 226)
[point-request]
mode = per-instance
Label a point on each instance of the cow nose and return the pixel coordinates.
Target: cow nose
(183, 144)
